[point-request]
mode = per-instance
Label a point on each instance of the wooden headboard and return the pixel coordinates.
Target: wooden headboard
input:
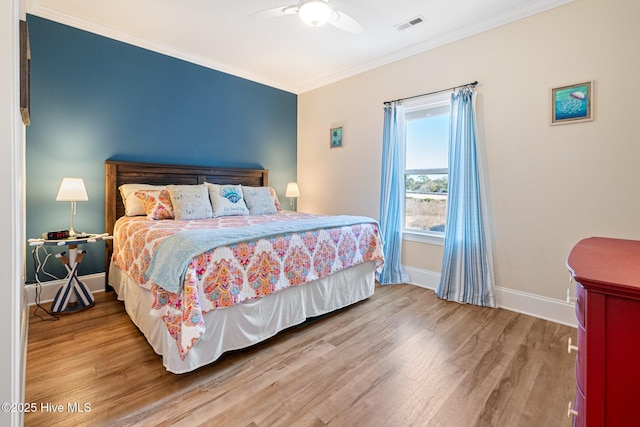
(118, 173)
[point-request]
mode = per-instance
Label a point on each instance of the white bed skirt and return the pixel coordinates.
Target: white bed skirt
(245, 324)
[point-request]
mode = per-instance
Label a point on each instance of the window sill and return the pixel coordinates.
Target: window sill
(429, 238)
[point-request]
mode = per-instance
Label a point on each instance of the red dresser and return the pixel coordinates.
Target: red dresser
(607, 275)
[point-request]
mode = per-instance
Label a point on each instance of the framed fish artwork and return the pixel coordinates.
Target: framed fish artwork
(572, 103)
(335, 137)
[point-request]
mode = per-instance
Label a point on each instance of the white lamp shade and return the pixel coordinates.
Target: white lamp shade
(315, 12)
(292, 190)
(72, 190)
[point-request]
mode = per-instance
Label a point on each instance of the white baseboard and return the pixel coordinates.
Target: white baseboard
(521, 302)
(423, 278)
(95, 283)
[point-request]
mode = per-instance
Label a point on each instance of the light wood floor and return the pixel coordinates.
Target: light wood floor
(401, 358)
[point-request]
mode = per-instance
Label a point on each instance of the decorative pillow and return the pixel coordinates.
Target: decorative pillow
(157, 203)
(227, 200)
(190, 201)
(259, 200)
(133, 206)
(275, 199)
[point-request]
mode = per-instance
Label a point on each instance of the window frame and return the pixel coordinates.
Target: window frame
(414, 109)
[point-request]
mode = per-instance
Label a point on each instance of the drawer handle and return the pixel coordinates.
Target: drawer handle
(571, 346)
(570, 299)
(571, 411)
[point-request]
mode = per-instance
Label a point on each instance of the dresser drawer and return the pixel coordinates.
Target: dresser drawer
(581, 355)
(579, 419)
(581, 301)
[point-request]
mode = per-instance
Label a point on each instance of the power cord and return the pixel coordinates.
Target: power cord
(39, 267)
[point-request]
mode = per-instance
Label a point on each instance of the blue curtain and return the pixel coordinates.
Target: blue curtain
(392, 194)
(467, 265)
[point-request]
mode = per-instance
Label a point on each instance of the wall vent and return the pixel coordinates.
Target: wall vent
(410, 23)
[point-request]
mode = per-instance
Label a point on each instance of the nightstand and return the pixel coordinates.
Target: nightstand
(73, 295)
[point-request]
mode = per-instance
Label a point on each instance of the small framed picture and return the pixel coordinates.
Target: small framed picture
(572, 103)
(25, 73)
(335, 137)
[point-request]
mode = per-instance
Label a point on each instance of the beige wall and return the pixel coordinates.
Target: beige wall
(548, 186)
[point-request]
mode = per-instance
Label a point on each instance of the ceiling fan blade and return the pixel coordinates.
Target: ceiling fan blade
(275, 12)
(344, 22)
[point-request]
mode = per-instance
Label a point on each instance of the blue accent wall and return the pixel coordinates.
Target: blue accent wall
(94, 98)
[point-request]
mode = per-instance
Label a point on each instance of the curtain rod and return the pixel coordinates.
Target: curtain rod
(472, 84)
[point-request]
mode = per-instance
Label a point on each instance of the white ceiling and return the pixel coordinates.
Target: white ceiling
(282, 52)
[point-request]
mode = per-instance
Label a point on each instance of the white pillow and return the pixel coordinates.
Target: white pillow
(227, 200)
(190, 202)
(259, 200)
(275, 199)
(133, 206)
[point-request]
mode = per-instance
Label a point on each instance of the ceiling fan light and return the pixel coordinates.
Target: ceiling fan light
(315, 13)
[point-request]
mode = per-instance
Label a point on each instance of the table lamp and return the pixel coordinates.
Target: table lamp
(293, 191)
(72, 190)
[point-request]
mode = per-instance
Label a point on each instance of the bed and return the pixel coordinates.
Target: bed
(197, 288)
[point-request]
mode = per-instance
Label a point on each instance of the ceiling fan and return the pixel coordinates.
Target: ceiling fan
(314, 13)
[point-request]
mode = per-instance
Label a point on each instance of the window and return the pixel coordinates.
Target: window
(427, 164)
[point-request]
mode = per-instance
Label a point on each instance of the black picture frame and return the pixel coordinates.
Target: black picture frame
(25, 73)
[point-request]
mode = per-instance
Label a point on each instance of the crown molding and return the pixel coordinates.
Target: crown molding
(91, 27)
(34, 8)
(453, 36)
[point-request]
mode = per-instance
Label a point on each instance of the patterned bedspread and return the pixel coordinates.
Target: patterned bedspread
(242, 271)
